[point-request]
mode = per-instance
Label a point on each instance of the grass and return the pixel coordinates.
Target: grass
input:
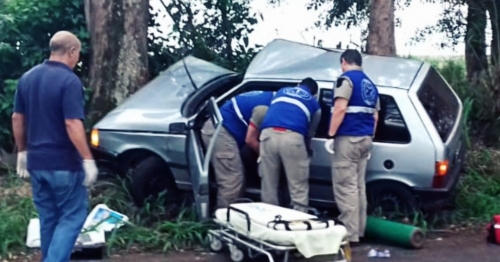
(154, 227)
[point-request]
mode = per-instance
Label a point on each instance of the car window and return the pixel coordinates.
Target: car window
(439, 102)
(390, 129)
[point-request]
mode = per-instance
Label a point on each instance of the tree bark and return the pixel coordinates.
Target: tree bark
(493, 7)
(119, 59)
(475, 42)
(381, 39)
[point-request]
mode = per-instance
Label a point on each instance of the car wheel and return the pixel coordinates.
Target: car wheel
(151, 177)
(390, 199)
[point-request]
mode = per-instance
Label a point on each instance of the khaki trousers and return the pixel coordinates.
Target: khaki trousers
(287, 148)
(348, 175)
(227, 165)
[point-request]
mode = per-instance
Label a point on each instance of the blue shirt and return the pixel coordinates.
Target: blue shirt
(292, 108)
(46, 95)
(237, 112)
(359, 120)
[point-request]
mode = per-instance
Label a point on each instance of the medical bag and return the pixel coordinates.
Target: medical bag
(493, 229)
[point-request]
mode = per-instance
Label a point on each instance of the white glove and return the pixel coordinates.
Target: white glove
(91, 172)
(258, 160)
(329, 146)
(22, 168)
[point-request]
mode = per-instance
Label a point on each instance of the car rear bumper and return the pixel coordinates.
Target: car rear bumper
(433, 199)
(106, 162)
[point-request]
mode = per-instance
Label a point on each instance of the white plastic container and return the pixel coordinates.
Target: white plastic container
(105, 219)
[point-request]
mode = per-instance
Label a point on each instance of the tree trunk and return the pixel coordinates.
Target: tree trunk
(381, 39)
(475, 42)
(119, 59)
(493, 7)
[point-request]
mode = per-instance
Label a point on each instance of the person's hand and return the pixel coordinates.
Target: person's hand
(22, 168)
(91, 172)
(329, 146)
(258, 160)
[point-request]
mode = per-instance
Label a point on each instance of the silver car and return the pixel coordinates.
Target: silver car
(418, 150)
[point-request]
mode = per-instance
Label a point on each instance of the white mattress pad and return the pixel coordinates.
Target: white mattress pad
(284, 227)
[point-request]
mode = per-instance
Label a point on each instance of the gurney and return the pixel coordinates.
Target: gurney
(257, 229)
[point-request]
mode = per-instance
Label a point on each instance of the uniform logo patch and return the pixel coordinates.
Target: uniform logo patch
(297, 92)
(368, 92)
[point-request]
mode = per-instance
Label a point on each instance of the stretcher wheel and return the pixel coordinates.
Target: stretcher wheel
(215, 243)
(236, 254)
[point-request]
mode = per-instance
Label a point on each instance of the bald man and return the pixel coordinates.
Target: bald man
(52, 146)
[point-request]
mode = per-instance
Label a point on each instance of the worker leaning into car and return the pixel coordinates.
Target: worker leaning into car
(352, 126)
(242, 116)
(286, 131)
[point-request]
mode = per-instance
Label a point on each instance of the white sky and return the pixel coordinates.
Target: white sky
(294, 22)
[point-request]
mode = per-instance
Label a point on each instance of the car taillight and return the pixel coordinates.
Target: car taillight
(94, 137)
(440, 174)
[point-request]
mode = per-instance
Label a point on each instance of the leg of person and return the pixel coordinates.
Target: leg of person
(269, 166)
(46, 208)
(366, 145)
(72, 205)
(293, 153)
(227, 165)
(345, 184)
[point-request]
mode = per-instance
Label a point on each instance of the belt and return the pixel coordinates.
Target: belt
(281, 129)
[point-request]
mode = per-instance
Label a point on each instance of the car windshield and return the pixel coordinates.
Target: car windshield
(172, 86)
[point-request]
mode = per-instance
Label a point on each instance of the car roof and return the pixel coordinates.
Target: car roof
(288, 60)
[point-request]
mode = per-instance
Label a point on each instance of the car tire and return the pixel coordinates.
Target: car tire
(390, 199)
(149, 178)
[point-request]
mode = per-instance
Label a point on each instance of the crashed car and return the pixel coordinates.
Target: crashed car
(154, 136)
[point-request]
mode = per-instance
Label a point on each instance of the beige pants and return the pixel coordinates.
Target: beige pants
(348, 175)
(287, 148)
(227, 165)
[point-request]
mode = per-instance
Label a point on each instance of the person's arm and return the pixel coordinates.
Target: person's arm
(18, 120)
(313, 126)
(343, 92)
(18, 130)
(73, 111)
(375, 116)
(252, 137)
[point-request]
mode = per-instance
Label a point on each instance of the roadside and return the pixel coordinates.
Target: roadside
(460, 245)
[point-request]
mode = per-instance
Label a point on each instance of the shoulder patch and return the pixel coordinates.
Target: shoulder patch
(341, 80)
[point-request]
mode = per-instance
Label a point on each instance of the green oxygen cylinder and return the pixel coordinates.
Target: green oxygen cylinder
(394, 233)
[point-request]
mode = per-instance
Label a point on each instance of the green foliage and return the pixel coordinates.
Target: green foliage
(221, 36)
(6, 104)
(156, 226)
(16, 209)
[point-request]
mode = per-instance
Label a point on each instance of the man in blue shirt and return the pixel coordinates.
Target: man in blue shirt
(287, 128)
(242, 116)
(352, 126)
(52, 146)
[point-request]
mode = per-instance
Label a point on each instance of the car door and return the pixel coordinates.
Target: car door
(199, 162)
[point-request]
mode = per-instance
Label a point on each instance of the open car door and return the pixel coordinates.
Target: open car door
(199, 162)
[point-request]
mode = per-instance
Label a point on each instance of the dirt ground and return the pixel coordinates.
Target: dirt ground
(453, 246)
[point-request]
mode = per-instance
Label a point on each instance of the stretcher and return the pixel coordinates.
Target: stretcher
(254, 229)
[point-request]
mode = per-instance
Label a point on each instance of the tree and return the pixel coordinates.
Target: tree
(221, 36)
(475, 41)
(381, 39)
(119, 45)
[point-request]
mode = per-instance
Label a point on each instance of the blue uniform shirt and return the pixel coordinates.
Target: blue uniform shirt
(359, 120)
(292, 108)
(46, 95)
(236, 113)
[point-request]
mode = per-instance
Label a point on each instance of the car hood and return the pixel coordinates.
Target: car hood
(159, 102)
(284, 59)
